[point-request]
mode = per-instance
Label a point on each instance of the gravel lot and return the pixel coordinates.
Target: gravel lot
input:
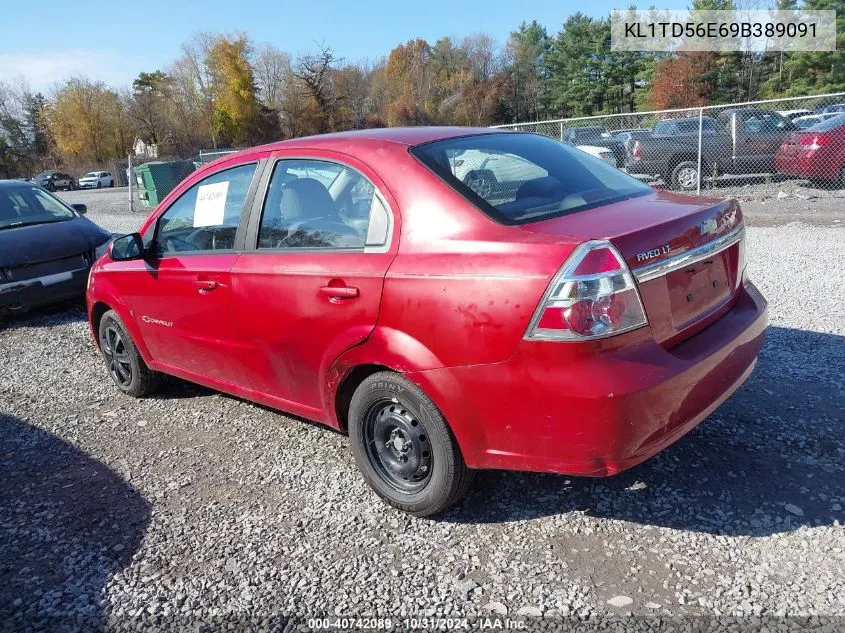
(197, 507)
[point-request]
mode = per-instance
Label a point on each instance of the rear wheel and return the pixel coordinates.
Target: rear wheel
(111, 184)
(125, 365)
(685, 176)
(404, 447)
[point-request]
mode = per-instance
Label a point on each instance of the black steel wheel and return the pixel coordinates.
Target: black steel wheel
(404, 447)
(125, 365)
(398, 446)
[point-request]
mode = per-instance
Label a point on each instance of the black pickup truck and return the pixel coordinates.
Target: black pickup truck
(739, 141)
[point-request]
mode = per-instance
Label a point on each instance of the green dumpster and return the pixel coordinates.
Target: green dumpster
(157, 179)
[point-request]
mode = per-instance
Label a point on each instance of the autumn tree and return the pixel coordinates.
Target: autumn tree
(678, 83)
(88, 122)
(233, 91)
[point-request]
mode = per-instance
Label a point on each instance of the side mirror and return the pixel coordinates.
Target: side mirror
(80, 208)
(127, 247)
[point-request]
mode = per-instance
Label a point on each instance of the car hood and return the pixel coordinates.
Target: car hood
(24, 245)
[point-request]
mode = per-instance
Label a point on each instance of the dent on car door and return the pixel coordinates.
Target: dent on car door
(321, 245)
(179, 293)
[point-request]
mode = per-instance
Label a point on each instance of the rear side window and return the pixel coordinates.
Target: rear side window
(319, 204)
(516, 178)
(206, 216)
(830, 124)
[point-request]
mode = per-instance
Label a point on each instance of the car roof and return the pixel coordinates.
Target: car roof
(339, 141)
(10, 184)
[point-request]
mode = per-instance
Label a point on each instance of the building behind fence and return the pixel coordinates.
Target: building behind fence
(755, 150)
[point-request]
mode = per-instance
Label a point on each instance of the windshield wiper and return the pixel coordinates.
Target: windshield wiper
(14, 225)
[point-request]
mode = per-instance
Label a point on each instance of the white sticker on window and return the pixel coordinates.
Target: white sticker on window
(211, 204)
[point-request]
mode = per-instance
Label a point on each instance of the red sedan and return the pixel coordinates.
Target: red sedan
(817, 153)
(454, 299)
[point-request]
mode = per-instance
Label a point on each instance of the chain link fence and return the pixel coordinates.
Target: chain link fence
(752, 151)
(148, 186)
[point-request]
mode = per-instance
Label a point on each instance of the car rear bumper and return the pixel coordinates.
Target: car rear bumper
(551, 409)
(807, 165)
(23, 295)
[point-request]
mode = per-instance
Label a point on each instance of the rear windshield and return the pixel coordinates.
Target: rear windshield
(516, 178)
(829, 124)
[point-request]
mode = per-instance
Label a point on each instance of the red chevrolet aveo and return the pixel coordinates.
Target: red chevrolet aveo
(454, 299)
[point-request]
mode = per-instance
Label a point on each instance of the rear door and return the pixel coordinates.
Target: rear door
(309, 285)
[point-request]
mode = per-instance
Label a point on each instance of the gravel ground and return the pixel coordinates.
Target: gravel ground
(196, 507)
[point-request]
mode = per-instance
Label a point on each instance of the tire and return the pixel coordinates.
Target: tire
(125, 366)
(51, 187)
(404, 447)
(111, 184)
(685, 176)
(99, 185)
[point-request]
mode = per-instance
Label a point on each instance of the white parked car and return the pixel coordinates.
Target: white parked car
(96, 180)
(805, 122)
(599, 152)
(793, 114)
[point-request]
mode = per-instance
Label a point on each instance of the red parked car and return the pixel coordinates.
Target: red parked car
(817, 153)
(455, 299)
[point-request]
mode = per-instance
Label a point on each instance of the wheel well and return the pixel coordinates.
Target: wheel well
(681, 158)
(97, 313)
(347, 388)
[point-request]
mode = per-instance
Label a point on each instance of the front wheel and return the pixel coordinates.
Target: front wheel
(125, 365)
(99, 184)
(685, 176)
(404, 447)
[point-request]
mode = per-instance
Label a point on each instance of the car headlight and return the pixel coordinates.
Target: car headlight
(102, 249)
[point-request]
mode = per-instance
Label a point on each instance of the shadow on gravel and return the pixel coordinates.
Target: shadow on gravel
(769, 460)
(67, 523)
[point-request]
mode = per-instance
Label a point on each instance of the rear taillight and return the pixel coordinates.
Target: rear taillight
(592, 296)
(814, 142)
(638, 152)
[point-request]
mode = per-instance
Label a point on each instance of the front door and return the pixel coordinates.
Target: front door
(180, 295)
(311, 287)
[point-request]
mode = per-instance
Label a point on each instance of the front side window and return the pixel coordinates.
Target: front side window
(318, 204)
(516, 178)
(206, 216)
(30, 205)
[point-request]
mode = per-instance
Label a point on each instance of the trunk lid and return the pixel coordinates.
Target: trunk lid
(685, 254)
